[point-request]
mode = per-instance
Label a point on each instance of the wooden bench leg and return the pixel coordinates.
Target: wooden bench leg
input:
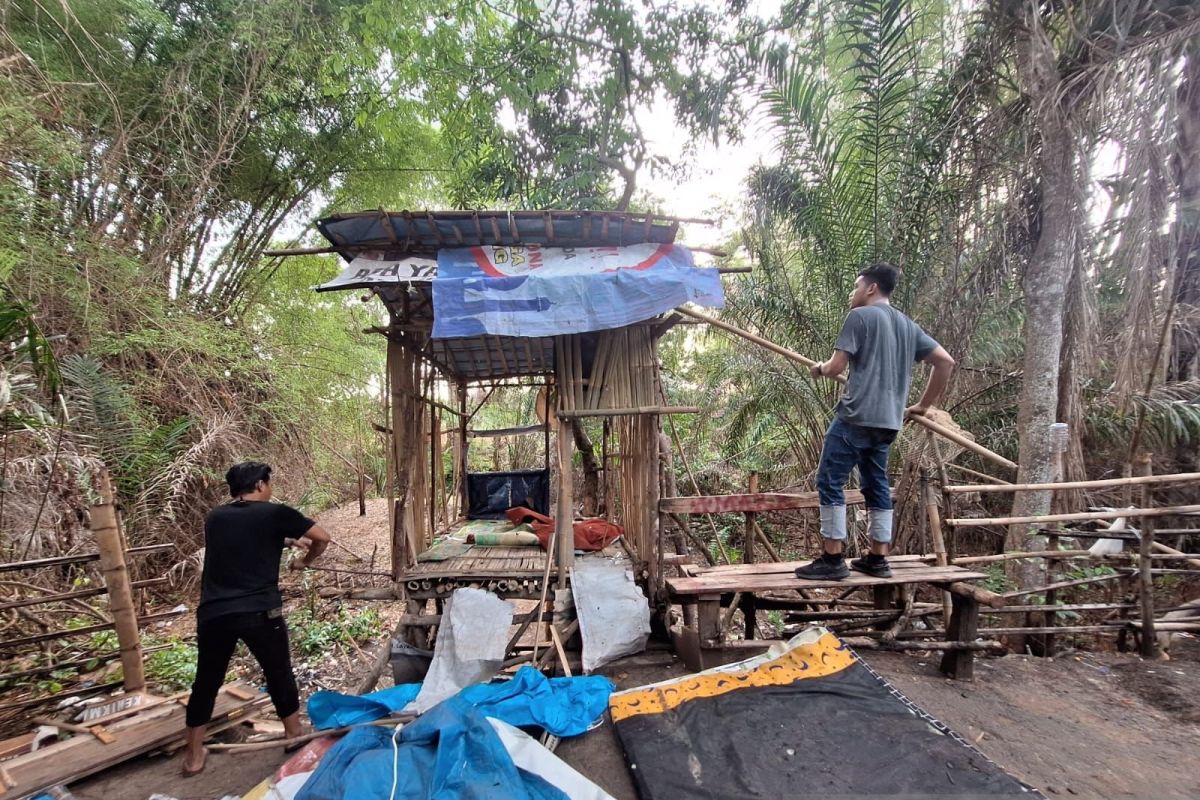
(885, 600)
(749, 613)
(963, 627)
(708, 608)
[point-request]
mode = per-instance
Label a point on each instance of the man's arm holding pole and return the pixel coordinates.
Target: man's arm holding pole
(313, 543)
(943, 367)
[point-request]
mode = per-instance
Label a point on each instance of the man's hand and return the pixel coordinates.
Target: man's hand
(298, 564)
(917, 410)
(816, 370)
(299, 544)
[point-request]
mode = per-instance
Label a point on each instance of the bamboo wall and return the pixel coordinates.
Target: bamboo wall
(623, 376)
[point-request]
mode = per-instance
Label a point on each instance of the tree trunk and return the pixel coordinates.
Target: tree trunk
(591, 468)
(1049, 269)
(1185, 354)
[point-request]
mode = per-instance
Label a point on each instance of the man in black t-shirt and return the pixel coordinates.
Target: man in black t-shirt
(239, 598)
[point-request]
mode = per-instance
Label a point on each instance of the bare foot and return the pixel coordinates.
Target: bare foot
(193, 764)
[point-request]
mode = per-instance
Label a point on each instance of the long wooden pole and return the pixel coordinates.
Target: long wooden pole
(934, 516)
(1182, 477)
(107, 531)
(945, 433)
(1165, 511)
(564, 513)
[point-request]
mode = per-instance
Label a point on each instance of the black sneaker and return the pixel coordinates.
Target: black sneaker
(875, 567)
(825, 568)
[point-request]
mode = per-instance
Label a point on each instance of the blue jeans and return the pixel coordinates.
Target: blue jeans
(848, 446)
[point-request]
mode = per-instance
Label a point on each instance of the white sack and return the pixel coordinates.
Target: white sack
(614, 615)
(470, 646)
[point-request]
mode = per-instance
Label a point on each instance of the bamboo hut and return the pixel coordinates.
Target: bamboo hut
(610, 374)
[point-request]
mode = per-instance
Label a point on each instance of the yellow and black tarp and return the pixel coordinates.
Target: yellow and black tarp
(807, 719)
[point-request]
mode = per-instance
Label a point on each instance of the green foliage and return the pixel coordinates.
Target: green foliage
(1083, 571)
(172, 669)
(312, 635)
(997, 580)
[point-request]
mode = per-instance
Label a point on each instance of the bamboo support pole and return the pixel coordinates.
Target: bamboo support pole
(56, 561)
(766, 543)
(1162, 548)
(934, 517)
(629, 411)
(929, 424)
(564, 515)
(1137, 480)
(982, 476)
(1164, 511)
(106, 528)
(875, 644)
(696, 488)
(1061, 585)
(748, 535)
(1111, 627)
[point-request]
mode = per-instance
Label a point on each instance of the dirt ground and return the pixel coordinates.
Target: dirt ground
(1088, 725)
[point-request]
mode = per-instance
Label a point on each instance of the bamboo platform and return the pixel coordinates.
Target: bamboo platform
(510, 572)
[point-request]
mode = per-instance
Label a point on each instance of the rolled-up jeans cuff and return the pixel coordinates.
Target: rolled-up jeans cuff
(833, 522)
(879, 525)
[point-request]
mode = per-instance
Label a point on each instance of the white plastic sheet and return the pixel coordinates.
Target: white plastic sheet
(470, 645)
(529, 755)
(614, 615)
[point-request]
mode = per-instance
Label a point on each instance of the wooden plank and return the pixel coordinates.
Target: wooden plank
(80, 756)
(742, 503)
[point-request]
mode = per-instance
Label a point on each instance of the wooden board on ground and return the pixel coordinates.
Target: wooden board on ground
(81, 756)
(780, 576)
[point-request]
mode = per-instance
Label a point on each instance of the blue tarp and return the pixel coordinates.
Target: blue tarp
(551, 291)
(328, 709)
(563, 706)
(451, 751)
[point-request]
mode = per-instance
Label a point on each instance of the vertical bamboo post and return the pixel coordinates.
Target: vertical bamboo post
(107, 530)
(748, 539)
(933, 514)
(389, 439)
(1059, 440)
(1141, 467)
(564, 515)
(464, 500)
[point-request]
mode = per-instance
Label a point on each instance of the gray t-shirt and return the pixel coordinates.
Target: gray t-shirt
(883, 344)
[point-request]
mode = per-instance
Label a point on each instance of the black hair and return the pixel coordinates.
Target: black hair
(883, 275)
(244, 477)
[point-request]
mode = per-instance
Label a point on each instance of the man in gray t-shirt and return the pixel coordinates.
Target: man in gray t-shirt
(880, 345)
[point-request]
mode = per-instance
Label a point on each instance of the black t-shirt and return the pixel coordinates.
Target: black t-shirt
(242, 544)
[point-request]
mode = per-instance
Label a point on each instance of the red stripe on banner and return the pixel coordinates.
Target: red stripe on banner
(485, 263)
(660, 252)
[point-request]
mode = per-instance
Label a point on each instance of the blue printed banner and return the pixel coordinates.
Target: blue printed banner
(547, 291)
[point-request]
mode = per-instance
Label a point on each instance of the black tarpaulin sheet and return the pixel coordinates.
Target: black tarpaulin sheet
(490, 494)
(812, 721)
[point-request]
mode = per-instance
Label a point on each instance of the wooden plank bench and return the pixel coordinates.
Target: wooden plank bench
(710, 587)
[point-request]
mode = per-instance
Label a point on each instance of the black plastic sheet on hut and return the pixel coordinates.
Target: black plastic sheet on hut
(490, 494)
(812, 721)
